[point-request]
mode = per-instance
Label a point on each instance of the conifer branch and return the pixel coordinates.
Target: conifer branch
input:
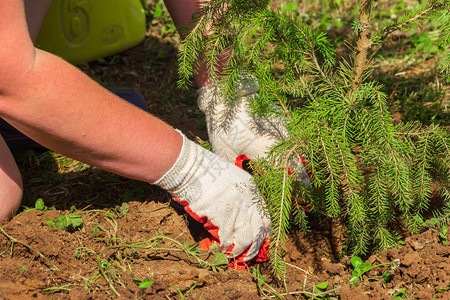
(378, 193)
(444, 142)
(332, 203)
(423, 191)
(314, 58)
(285, 110)
(300, 78)
(347, 178)
(399, 26)
(280, 219)
(283, 189)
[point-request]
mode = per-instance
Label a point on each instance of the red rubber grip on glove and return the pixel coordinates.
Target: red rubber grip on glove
(236, 263)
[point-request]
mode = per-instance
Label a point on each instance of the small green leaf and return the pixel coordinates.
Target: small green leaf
(433, 221)
(399, 294)
(364, 267)
(322, 285)
(124, 209)
(356, 262)
(39, 204)
(68, 222)
(443, 235)
(220, 260)
(355, 275)
(158, 12)
(386, 276)
(145, 283)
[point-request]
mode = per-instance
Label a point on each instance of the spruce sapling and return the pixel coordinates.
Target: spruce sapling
(367, 171)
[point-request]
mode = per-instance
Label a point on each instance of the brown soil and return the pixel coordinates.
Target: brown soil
(38, 259)
(41, 262)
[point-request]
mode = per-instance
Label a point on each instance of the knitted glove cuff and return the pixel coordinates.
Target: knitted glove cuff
(174, 177)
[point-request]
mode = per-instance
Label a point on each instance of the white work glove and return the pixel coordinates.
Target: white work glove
(233, 131)
(212, 188)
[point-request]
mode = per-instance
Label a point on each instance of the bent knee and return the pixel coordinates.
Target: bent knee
(10, 199)
(11, 186)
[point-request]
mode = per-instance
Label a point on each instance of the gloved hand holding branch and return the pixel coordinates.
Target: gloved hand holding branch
(222, 197)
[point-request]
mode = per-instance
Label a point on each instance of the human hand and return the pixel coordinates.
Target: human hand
(233, 131)
(223, 198)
